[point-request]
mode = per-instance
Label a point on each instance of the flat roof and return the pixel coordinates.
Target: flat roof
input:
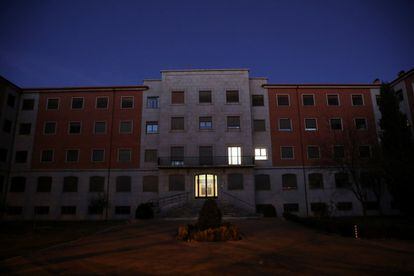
(87, 88)
(203, 70)
(321, 85)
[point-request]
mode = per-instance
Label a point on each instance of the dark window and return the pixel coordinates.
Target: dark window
(3, 155)
(123, 183)
(52, 103)
(259, 125)
(177, 97)
(232, 96)
(152, 102)
(41, 210)
(122, 210)
(28, 104)
(289, 181)
(308, 100)
(290, 207)
(357, 100)
(44, 184)
(77, 103)
(11, 100)
(315, 181)
(364, 151)
(338, 152)
(72, 155)
(344, 206)
(177, 123)
(177, 155)
(25, 128)
(318, 207)
(176, 182)
(68, 210)
(342, 180)
(14, 210)
(286, 153)
(152, 127)
(21, 156)
(282, 100)
(235, 181)
(151, 155)
(313, 152)
(124, 155)
(205, 123)
(371, 205)
(102, 102)
(70, 184)
(47, 156)
(18, 184)
(49, 128)
(96, 184)
(127, 102)
(204, 96)
(262, 182)
(150, 183)
(360, 123)
(7, 126)
(74, 127)
(205, 155)
(100, 127)
(257, 100)
(333, 100)
(95, 210)
(98, 155)
(285, 124)
(233, 122)
(336, 124)
(125, 126)
(310, 124)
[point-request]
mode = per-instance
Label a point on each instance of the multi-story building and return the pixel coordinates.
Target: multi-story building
(191, 135)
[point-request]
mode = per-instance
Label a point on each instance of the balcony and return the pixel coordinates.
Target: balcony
(205, 162)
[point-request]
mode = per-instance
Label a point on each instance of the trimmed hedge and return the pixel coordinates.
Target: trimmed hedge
(144, 211)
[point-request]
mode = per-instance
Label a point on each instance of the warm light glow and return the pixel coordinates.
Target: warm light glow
(260, 154)
(234, 154)
(205, 185)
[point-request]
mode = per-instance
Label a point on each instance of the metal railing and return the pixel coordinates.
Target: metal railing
(170, 199)
(205, 161)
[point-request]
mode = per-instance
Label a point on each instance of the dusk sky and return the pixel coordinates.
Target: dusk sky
(87, 43)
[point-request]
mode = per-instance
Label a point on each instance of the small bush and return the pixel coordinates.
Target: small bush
(209, 216)
(144, 211)
(268, 210)
(226, 232)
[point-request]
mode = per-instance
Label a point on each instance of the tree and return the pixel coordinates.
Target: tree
(398, 149)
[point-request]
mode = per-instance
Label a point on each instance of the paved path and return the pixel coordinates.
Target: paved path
(270, 246)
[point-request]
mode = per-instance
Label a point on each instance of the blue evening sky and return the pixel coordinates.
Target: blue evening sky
(85, 42)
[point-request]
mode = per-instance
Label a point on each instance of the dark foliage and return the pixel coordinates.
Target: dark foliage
(209, 216)
(144, 211)
(268, 210)
(225, 232)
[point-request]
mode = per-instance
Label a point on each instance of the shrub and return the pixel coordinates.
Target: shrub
(209, 216)
(225, 232)
(144, 211)
(268, 210)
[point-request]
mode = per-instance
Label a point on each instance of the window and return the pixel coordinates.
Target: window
(262, 182)
(313, 152)
(18, 184)
(44, 184)
(260, 154)
(150, 183)
(127, 102)
(338, 151)
(357, 100)
(310, 124)
(49, 128)
(176, 182)
(344, 206)
(3, 154)
(308, 100)
(122, 210)
(77, 103)
(102, 102)
(290, 207)
(70, 184)
(205, 185)
(72, 155)
(234, 155)
(283, 100)
(315, 181)
(41, 210)
(177, 97)
(289, 181)
(52, 104)
(336, 123)
(341, 180)
(125, 127)
(286, 152)
(360, 123)
(68, 210)
(47, 155)
(233, 122)
(74, 127)
(28, 104)
(204, 96)
(259, 125)
(318, 207)
(14, 210)
(21, 156)
(285, 124)
(364, 151)
(177, 123)
(333, 100)
(234, 181)
(205, 154)
(177, 155)
(205, 122)
(152, 127)
(25, 128)
(124, 155)
(11, 100)
(98, 155)
(232, 96)
(96, 184)
(152, 102)
(257, 100)
(150, 155)
(100, 128)
(123, 183)
(7, 126)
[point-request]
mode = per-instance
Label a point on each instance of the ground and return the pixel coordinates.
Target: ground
(269, 246)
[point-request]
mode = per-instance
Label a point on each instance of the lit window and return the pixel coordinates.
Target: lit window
(234, 155)
(260, 154)
(152, 127)
(205, 123)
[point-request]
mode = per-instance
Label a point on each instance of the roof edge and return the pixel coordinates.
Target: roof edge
(403, 76)
(86, 88)
(316, 85)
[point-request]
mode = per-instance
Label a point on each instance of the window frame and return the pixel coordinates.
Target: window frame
(313, 100)
(83, 103)
(149, 99)
(103, 156)
(277, 100)
(122, 102)
(262, 99)
(233, 128)
(199, 97)
(311, 129)
(66, 156)
(293, 153)
(365, 121)
(53, 156)
(227, 96)
(126, 121)
(44, 127)
(118, 155)
(176, 91)
(102, 97)
(80, 127)
(362, 98)
(205, 128)
(307, 152)
(58, 103)
(237, 157)
(152, 123)
(285, 130)
(172, 118)
(94, 127)
(330, 124)
(332, 94)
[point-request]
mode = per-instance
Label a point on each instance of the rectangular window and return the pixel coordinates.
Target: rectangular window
(338, 152)
(285, 124)
(232, 96)
(28, 104)
(7, 126)
(102, 102)
(20, 156)
(152, 102)
(77, 103)
(289, 181)
(310, 124)
(257, 100)
(125, 127)
(290, 207)
(357, 100)
(100, 127)
(74, 127)
(152, 127)
(17, 184)
(177, 97)
(283, 100)
(344, 206)
(44, 184)
(204, 96)
(70, 184)
(98, 155)
(205, 122)
(259, 125)
(68, 210)
(315, 181)
(47, 155)
(260, 154)
(127, 102)
(41, 210)
(177, 123)
(52, 104)
(49, 128)
(233, 122)
(122, 210)
(313, 152)
(262, 182)
(123, 184)
(124, 155)
(150, 183)
(333, 100)
(176, 182)
(336, 123)
(308, 100)
(360, 123)
(205, 154)
(150, 155)
(96, 184)
(286, 152)
(11, 100)
(235, 181)
(25, 128)
(364, 151)
(72, 155)
(234, 155)
(177, 155)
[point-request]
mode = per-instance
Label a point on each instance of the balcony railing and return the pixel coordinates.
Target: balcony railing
(205, 161)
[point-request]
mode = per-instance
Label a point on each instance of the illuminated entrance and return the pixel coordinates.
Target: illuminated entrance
(205, 185)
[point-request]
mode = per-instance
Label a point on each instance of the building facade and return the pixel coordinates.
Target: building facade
(99, 152)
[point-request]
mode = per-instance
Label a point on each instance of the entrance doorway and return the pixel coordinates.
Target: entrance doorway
(205, 185)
